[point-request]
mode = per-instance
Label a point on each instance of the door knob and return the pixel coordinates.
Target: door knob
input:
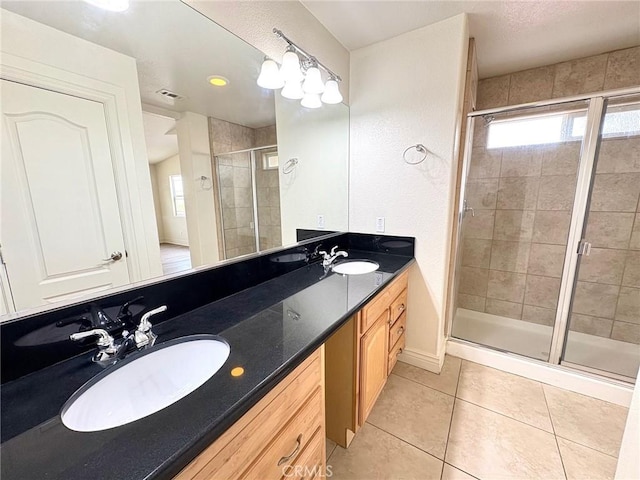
(115, 256)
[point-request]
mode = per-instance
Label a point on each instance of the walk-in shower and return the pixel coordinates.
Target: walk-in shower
(248, 201)
(548, 251)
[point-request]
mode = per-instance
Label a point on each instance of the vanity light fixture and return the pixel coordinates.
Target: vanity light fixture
(110, 5)
(311, 100)
(301, 77)
(218, 81)
(331, 93)
(270, 75)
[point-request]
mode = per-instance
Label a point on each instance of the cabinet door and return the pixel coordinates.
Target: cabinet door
(373, 364)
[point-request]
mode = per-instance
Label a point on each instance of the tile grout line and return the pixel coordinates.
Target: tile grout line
(507, 416)
(453, 411)
(555, 437)
(458, 468)
(405, 441)
(422, 384)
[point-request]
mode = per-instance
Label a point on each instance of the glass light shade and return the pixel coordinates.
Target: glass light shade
(290, 70)
(311, 100)
(270, 75)
(313, 81)
(331, 93)
(293, 90)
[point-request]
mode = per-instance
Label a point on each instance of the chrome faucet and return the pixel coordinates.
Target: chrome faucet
(107, 349)
(329, 258)
(110, 351)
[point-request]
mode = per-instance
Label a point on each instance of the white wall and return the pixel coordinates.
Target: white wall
(319, 139)
(253, 21)
(156, 201)
(174, 228)
(404, 91)
(195, 162)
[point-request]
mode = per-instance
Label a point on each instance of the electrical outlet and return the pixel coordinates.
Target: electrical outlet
(321, 222)
(379, 224)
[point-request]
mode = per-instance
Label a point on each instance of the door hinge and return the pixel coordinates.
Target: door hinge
(584, 248)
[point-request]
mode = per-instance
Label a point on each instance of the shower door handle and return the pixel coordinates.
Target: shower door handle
(466, 208)
(584, 248)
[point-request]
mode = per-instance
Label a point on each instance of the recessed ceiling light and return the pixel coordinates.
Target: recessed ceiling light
(218, 81)
(111, 5)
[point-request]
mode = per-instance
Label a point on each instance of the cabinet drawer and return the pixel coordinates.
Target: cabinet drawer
(309, 463)
(229, 456)
(397, 330)
(395, 351)
(294, 438)
(381, 302)
(398, 307)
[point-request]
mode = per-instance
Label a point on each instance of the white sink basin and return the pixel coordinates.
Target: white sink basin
(355, 267)
(143, 385)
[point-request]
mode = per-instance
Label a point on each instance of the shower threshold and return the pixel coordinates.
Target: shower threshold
(533, 340)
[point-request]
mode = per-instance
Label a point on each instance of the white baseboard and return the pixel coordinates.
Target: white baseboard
(421, 359)
(555, 375)
(180, 243)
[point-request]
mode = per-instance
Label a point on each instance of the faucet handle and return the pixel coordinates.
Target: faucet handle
(333, 250)
(104, 340)
(145, 325)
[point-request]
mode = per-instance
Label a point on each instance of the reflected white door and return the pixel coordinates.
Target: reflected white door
(59, 217)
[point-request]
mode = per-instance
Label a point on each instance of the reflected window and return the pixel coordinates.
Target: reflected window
(270, 160)
(177, 195)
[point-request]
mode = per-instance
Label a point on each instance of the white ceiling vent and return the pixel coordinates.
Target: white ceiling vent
(169, 96)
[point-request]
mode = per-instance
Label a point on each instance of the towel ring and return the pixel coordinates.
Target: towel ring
(290, 166)
(419, 148)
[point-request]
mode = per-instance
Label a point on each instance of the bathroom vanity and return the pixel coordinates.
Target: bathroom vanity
(264, 407)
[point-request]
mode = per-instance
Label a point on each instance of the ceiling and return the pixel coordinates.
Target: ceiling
(175, 48)
(510, 35)
(160, 137)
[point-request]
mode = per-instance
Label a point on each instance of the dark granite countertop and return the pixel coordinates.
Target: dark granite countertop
(271, 328)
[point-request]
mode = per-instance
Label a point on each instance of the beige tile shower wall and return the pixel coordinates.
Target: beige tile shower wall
(617, 69)
(268, 191)
(513, 248)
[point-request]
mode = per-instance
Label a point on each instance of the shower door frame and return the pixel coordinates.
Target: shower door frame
(586, 171)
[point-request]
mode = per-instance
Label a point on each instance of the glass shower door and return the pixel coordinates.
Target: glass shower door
(604, 320)
(519, 195)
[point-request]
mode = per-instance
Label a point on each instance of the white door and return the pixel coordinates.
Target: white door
(59, 217)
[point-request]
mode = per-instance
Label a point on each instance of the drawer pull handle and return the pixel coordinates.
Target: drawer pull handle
(401, 307)
(292, 454)
(400, 331)
(399, 352)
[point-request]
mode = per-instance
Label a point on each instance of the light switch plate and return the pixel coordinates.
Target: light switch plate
(379, 224)
(321, 222)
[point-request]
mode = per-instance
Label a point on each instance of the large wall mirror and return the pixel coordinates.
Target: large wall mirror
(137, 144)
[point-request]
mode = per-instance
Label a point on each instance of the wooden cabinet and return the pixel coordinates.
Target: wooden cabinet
(373, 364)
(360, 357)
(283, 435)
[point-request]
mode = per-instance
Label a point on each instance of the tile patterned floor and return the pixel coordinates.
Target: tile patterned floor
(472, 421)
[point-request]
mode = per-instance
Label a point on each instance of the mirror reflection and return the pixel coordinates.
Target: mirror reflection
(132, 149)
